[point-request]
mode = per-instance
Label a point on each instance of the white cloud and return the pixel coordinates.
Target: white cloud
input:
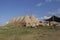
(2, 23)
(7, 22)
(39, 4)
(45, 17)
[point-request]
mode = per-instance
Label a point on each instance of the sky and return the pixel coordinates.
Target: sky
(41, 9)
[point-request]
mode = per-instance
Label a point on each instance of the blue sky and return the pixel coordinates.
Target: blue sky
(40, 8)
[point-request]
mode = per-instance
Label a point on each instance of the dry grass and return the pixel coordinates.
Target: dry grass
(17, 33)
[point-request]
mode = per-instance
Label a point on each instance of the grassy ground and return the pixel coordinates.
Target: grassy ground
(22, 33)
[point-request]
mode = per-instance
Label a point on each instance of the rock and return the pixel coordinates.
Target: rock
(12, 21)
(27, 21)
